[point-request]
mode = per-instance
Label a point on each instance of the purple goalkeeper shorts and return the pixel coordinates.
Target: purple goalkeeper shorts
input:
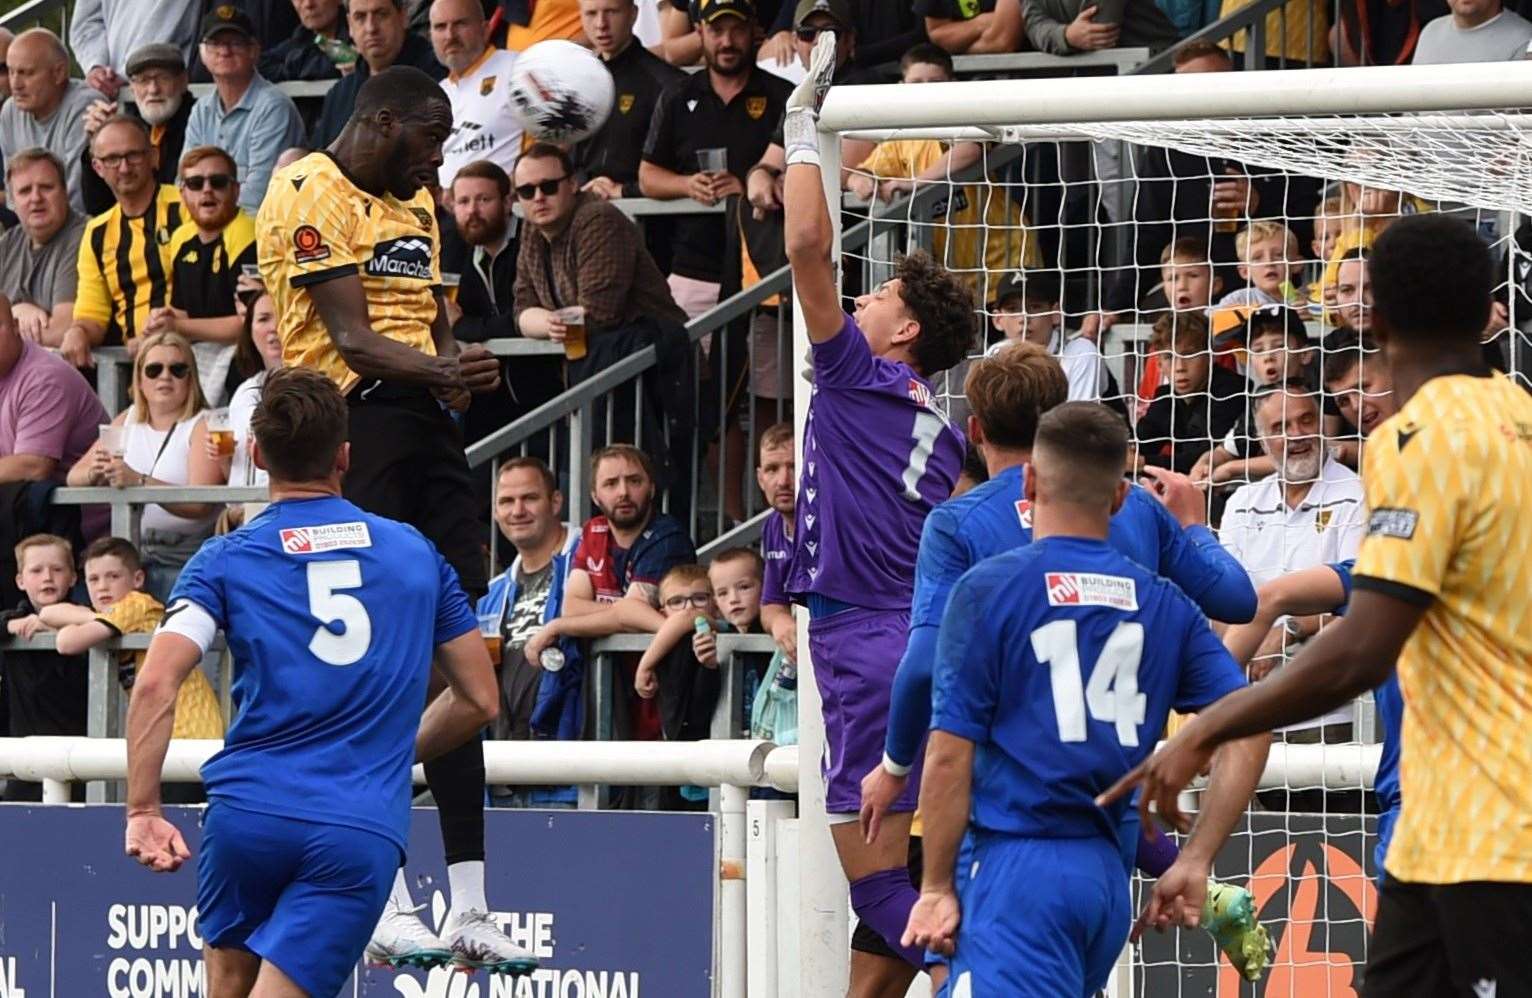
(855, 653)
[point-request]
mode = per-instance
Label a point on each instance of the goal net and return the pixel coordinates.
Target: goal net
(1189, 247)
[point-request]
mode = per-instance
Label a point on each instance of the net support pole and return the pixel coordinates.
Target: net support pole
(823, 929)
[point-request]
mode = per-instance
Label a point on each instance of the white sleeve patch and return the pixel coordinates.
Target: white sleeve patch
(191, 622)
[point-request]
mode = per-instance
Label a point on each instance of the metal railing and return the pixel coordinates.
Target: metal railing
(106, 702)
(1252, 21)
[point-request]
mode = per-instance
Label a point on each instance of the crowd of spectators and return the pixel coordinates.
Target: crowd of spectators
(129, 220)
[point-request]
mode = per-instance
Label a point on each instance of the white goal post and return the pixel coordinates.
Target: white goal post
(1450, 138)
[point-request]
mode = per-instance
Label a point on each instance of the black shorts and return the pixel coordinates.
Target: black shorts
(864, 939)
(407, 464)
(1451, 939)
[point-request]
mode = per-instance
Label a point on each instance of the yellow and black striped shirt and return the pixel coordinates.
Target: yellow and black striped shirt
(125, 265)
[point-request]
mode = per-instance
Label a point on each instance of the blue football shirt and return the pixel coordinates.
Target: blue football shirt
(1061, 662)
(993, 518)
(1389, 702)
(332, 615)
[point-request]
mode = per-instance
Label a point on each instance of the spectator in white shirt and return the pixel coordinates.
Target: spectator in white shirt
(1475, 31)
(1026, 308)
(1308, 512)
(478, 82)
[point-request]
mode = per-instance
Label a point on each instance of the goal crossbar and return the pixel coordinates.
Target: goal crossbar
(1309, 92)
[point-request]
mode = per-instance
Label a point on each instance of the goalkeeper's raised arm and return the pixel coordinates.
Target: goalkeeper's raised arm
(809, 234)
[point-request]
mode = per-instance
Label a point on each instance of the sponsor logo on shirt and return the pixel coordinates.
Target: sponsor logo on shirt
(1085, 589)
(1392, 522)
(777, 555)
(407, 257)
(326, 537)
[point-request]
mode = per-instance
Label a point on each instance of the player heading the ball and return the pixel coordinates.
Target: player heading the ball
(333, 616)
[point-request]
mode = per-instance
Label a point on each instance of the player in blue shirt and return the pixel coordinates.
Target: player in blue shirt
(333, 616)
(1327, 589)
(1165, 534)
(1057, 665)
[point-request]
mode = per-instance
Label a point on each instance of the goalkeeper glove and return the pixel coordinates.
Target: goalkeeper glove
(800, 124)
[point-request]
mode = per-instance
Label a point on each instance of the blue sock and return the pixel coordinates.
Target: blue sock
(883, 900)
(1156, 853)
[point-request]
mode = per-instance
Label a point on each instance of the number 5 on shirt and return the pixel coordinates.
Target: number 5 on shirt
(329, 605)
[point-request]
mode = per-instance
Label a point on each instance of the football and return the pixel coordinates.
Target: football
(561, 91)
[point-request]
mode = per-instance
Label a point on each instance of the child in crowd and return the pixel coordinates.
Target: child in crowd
(683, 674)
(1188, 284)
(1269, 260)
(1277, 351)
(114, 577)
(46, 691)
(1198, 406)
(1026, 308)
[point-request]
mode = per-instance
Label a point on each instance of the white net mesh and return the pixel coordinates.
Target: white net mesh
(1143, 248)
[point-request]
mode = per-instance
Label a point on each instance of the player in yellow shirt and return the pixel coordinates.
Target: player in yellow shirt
(1442, 584)
(349, 250)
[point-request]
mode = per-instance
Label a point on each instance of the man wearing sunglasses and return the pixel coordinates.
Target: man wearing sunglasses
(349, 249)
(208, 253)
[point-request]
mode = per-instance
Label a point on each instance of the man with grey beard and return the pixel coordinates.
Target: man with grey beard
(1309, 511)
(157, 75)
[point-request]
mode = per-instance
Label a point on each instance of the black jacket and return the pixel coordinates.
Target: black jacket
(298, 58)
(341, 100)
(98, 197)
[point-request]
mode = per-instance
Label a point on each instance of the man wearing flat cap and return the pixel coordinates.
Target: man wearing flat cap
(157, 76)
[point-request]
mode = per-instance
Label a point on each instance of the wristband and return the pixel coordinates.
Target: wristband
(893, 768)
(800, 136)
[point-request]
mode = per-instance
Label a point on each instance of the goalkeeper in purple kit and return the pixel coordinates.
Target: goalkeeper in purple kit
(877, 456)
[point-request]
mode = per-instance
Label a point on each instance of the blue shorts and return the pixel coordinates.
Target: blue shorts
(1041, 917)
(302, 895)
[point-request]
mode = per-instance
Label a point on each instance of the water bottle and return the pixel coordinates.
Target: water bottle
(552, 659)
(702, 626)
(337, 51)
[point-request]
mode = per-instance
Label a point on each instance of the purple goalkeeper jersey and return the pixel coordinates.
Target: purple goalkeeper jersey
(777, 553)
(877, 455)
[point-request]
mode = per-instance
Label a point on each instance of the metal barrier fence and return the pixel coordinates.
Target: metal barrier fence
(107, 705)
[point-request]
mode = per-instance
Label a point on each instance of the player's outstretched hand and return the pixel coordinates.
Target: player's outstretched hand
(1163, 776)
(880, 789)
(1176, 898)
(1178, 494)
(933, 922)
(156, 843)
(478, 369)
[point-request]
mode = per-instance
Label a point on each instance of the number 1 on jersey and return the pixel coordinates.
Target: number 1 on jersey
(928, 426)
(328, 606)
(1111, 694)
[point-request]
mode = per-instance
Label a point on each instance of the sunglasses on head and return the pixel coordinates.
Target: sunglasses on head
(217, 181)
(178, 370)
(549, 188)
